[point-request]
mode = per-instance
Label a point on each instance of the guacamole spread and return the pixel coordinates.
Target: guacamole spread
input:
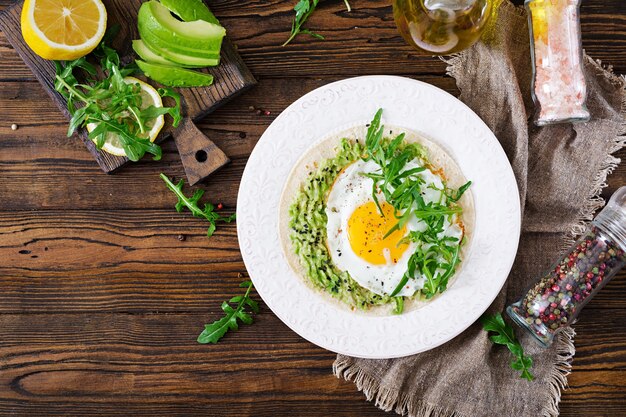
(308, 225)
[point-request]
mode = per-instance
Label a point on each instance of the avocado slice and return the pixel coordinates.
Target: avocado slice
(197, 35)
(153, 41)
(174, 76)
(179, 59)
(190, 10)
(148, 55)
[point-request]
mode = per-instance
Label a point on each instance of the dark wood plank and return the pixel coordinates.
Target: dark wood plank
(100, 362)
(598, 380)
(89, 261)
(232, 77)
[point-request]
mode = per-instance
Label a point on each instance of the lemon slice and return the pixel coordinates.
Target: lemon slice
(63, 29)
(149, 97)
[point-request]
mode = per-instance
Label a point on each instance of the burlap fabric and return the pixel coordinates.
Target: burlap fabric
(560, 171)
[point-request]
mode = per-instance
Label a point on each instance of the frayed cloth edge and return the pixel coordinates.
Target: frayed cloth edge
(384, 398)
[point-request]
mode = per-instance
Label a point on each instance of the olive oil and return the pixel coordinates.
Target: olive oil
(441, 27)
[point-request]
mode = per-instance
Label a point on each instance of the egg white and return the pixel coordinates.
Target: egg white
(351, 190)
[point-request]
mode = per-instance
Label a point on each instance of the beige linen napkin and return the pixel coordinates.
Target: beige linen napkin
(560, 171)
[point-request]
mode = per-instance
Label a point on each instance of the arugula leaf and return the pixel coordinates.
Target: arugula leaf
(505, 335)
(134, 147)
(191, 203)
(213, 332)
(304, 9)
(436, 256)
(111, 105)
(172, 111)
(455, 196)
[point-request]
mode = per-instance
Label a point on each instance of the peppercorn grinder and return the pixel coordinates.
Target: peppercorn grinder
(556, 300)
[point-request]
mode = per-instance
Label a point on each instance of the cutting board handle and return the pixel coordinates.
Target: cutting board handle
(200, 156)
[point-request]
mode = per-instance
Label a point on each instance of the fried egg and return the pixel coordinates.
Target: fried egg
(356, 229)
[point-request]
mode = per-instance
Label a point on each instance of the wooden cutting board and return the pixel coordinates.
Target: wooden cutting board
(200, 156)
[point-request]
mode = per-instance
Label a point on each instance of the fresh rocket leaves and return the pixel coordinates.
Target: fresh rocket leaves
(110, 106)
(455, 195)
(243, 305)
(503, 334)
(436, 256)
(304, 9)
(208, 212)
(174, 112)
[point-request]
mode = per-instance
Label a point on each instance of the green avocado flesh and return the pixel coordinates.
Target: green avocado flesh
(148, 55)
(190, 10)
(197, 38)
(168, 45)
(308, 233)
(181, 59)
(154, 41)
(174, 76)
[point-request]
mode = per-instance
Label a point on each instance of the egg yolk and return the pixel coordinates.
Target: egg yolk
(366, 231)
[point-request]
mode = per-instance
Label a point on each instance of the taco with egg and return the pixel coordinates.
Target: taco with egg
(376, 218)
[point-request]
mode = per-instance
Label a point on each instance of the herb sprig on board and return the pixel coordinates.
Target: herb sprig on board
(244, 306)
(505, 335)
(110, 105)
(304, 9)
(436, 257)
(191, 203)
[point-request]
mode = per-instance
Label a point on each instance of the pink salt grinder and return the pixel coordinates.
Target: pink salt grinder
(559, 89)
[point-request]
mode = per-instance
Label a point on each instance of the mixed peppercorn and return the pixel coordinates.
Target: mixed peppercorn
(556, 299)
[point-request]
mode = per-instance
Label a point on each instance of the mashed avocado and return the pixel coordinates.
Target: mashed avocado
(308, 225)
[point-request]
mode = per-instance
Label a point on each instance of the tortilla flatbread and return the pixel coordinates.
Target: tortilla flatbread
(326, 149)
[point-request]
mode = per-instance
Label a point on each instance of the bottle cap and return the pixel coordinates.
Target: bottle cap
(612, 218)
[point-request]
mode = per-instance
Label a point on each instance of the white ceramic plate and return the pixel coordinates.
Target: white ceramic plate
(424, 109)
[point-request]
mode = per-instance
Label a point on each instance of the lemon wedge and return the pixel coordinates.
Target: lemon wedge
(149, 97)
(63, 29)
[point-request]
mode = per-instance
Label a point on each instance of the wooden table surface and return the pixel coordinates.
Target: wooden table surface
(101, 303)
